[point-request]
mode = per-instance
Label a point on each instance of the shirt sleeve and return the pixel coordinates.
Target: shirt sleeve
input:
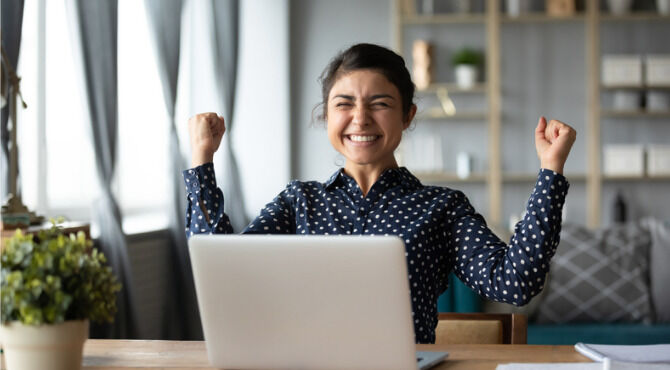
(515, 272)
(278, 216)
(204, 209)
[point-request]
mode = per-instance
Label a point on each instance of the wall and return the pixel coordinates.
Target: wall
(543, 73)
(262, 141)
(319, 29)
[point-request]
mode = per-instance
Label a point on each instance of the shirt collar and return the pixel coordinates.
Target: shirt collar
(400, 174)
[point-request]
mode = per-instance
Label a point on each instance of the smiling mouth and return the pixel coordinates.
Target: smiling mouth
(362, 138)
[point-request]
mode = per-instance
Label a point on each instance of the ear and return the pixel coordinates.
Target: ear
(410, 117)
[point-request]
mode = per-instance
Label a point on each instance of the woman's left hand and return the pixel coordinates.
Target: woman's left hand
(553, 142)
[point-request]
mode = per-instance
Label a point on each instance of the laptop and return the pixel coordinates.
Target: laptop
(305, 302)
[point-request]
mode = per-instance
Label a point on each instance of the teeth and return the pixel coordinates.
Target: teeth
(362, 138)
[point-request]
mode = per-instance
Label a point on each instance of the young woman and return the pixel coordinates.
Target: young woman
(367, 103)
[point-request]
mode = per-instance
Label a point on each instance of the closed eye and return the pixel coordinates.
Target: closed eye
(380, 105)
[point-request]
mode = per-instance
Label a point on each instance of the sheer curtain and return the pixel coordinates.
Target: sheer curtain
(12, 20)
(182, 320)
(226, 41)
(94, 27)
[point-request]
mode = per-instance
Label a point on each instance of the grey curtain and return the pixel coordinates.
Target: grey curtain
(226, 29)
(12, 20)
(181, 320)
(95, 29)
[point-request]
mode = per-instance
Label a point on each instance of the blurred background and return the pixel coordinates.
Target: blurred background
(109, 87)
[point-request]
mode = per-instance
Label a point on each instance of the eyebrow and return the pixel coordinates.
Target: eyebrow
(373, 97)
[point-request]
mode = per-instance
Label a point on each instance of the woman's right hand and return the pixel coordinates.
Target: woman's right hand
(205, 131)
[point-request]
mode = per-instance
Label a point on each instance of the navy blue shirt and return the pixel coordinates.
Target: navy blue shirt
(441, 230)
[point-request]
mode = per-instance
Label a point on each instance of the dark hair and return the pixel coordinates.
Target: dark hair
(368, 56)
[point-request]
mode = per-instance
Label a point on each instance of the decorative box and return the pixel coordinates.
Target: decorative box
(658, 70)
(622, 70)
(658, 101)
(658, 160)
(623, 160)
(560, 8)
(626, 100)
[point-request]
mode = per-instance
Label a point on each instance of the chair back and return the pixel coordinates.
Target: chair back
(481, 328)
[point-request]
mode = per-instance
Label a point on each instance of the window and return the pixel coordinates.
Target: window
(56, 156)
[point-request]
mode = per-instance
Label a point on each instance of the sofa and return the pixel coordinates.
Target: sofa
(607, 286)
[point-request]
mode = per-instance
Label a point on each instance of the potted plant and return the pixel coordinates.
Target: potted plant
(52, 285)
(466, 62)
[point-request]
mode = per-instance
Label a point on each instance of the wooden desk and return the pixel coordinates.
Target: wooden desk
(129, 354)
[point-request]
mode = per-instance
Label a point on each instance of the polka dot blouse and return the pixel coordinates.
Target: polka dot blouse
(441, 230)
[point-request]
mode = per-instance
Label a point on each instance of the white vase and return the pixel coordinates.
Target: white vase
(516, 7)
(54, 347)
(619, 7)
(663, 6)
(466, 75)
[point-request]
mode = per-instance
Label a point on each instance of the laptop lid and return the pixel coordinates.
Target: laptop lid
(318, 302)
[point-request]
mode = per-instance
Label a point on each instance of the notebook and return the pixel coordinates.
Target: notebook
(317, 302)
(607, 364)
(626, 353)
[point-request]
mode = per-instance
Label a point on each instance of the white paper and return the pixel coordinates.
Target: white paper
(552, 366)
(616, 365)
(605, 365)
(652, 353)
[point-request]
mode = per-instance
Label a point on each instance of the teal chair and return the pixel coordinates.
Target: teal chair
(458, 298)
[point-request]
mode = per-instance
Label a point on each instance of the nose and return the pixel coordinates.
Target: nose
(360, 116)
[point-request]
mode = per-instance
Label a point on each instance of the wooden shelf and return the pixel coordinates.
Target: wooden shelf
(469, 116)
(542, 18)
(445, 19)
(452, 87)
(629, 178)
(635, 87)
(635, 16)
(442, 177)
(528, 177)
(634, 114)
(439, 177)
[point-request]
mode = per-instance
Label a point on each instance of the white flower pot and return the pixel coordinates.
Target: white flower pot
(54, 347)
(516, 7)
(619, 7)
(466, 75)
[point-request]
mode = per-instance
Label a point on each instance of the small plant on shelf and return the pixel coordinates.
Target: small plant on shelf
(466, 62)
(466, 56)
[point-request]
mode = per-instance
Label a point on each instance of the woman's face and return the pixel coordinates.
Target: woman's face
(365, 118)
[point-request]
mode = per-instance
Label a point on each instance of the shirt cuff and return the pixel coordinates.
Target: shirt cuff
(199, 178)
(551, 186)
(546, 178)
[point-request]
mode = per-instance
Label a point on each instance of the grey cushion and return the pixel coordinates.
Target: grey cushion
(600, 276)
(660, 268)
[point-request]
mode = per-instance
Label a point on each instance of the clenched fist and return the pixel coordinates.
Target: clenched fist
(553, 142)
(205, 131)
